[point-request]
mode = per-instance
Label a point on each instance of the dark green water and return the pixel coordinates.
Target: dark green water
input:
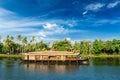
(97, 69)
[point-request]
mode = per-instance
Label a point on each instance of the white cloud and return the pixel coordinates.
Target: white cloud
(46, 39)
(50, 26)
(85, 12)
(100, 22)
(111, 5)
(9, 19)
(51, 29)
(4, 12)
(54, 28)
(11, 23)
(94, 7)
(19, 23)
(43, 33)
(70, 24)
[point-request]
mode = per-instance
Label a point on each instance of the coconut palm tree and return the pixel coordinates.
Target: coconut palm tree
(12, 44)
(24, 41)
(33, 38)
(19, 38)
(11, 38)
(0, 38)
(9, 43)
(32, 43)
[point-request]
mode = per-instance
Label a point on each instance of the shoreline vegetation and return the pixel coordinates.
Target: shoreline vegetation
(83, 55)
(11, 55)
(101, 55)
(14, 46)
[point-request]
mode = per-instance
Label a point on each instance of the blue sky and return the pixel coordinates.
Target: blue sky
(51, 20)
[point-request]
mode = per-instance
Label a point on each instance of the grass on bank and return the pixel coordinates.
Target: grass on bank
(12, 55)
(100, 55)
(83, 55)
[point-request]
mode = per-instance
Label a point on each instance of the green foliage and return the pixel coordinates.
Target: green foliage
(98, 47)
(4, 50)
(1, 47)
(76, 47)
(116, 46)
(61, 48)
(82, 47)
(109, 47)
(62, 45)
(40, 46)
(85, 47)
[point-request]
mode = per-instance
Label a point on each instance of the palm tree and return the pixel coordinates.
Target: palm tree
(28, 47)
(32, 45)
(9, 42)
(19, 38)
(11, 38)
(33, 38)
(12, 44)
(0, 38)
(24, 41)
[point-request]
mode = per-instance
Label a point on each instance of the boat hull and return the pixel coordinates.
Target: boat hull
(77, 61)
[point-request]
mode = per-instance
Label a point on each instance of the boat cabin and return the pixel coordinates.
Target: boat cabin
(51, 56)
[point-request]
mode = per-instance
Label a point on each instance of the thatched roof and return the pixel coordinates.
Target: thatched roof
(52, 53)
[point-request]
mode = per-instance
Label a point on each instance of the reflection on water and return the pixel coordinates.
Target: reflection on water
(49, 67)
(98, 69)
(106, 61)
(62, 68)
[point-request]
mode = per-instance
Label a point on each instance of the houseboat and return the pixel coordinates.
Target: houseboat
(53, 56)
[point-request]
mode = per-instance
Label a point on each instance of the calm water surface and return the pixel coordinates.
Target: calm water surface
(97, 69)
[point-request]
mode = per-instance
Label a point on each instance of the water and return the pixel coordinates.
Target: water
(97, 69)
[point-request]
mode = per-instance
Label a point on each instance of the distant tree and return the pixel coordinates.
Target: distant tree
(85, 47)
(109, 47)
(98, 47)
(62, 45)
(1, 47)
(0, 38)
(33, 39)
(24, 41)
(116, 45)
(32, 43)
(76, 47)
(41, 46)
(19, 38)
(7, 44)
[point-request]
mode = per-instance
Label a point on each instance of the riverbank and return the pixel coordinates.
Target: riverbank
(83, 55)
(12, 55)
(99, 55)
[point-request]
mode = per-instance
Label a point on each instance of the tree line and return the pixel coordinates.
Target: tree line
(23, 45)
